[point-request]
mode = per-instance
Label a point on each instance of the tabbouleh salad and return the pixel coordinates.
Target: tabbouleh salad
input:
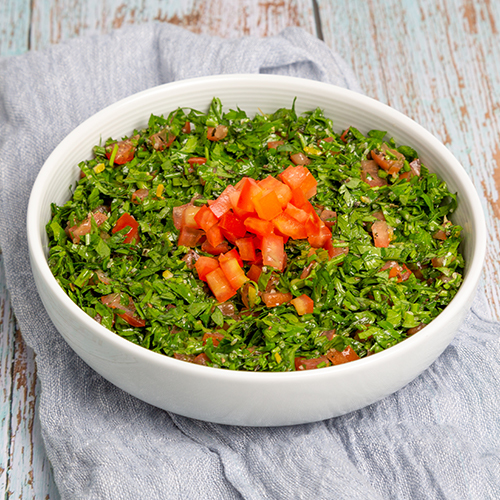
(269, 243)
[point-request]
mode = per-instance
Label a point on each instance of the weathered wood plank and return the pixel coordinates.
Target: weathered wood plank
(24, 468)
(6, 383)
(14, 26)
(30, 474)
(58, 20)
(436, 61)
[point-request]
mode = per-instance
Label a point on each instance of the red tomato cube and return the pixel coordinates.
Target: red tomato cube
(214, 235)
(267, 205)
(283, 192)
(189, 217)
(233, 271)
(273, 251)
(222, 203)
(205, 265)
(290, 227)
(254, 272)
(246, 248)
(274, 299)
(205, 218)
(127, 220)
(219, 285)
(303, 305)
(258, 226)
(321, 239)
(189, 237)
(249, 190)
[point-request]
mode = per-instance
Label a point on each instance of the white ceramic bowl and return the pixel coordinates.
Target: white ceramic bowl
(242, 398)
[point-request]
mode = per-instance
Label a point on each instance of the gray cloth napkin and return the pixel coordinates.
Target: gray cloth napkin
(436, 438)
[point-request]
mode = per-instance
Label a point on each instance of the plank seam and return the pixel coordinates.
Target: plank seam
(317, 20)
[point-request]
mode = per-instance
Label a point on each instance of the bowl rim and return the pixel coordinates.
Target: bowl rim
(460, 301)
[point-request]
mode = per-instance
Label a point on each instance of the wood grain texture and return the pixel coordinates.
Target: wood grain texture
(437, 62)
(24, 468)
(7, 332)
(63, 19)
(14, 26)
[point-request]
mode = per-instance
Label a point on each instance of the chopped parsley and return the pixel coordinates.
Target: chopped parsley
(114, 246)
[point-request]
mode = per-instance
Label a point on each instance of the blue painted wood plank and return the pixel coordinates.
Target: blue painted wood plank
(7, 333)
(25, 471)
(56, 21)
(14, 26)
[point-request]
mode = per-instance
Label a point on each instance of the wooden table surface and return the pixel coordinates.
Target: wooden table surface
(435, 60)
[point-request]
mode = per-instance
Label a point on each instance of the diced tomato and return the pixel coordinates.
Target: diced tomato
(258, 259)
(205, 265)
(390, 160)
(249, 190)
(289, 226)
(310, 364)
(217, 250)
(85, 227)
(309, 185)
(215, 336)
(189, 237)
(217, 133)
(274, 299)
(297, 213)
(298, 197)
(283, 192)
(329, 217)
(220, 285)
(128, 311)
(189, 217)
(162, 139)
(369, 174)
(205, 218)
(300, 159)
(232, 270)
(334, 251)
(214, 235)
(124, 154)
(314, 226)
(338, 358)
(177, 214)
(246, 248)
(274, 144)
(197, 160)
(273, 251)
(254, 272)
(320, 240)
(234, 197)
(267, 205)
(202, 359)
(303, 305)
(127, 220)
(300, 177)
(232, 226)
(233, 253)
(258, 226)
(343, 137)
(399, 271)
(222, 203)
(381, 233)
(187, 128)
(139, 195)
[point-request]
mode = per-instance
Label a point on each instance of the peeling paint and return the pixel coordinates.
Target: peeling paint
(470, 16)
